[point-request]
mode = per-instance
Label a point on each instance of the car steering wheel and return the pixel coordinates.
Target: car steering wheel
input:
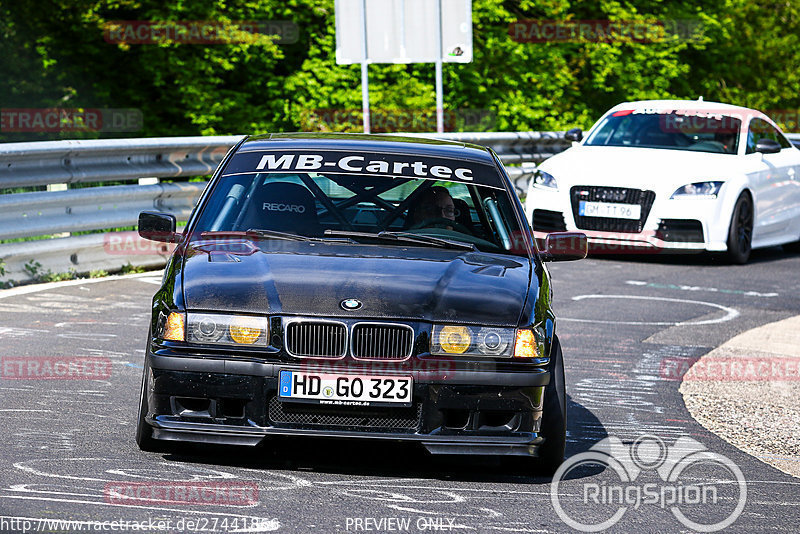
(442, 222)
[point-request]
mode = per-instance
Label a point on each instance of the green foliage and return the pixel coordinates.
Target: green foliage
(2, 267)
(745, 53)
(131, 269)
(97, 273)
(50, 276)
(32, 268)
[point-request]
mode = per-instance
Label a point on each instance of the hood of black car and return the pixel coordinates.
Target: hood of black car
(391, 282)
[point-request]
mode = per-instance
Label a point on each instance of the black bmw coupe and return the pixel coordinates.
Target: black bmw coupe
(357, 286)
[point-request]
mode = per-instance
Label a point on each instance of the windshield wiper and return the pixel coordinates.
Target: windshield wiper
(406, 237)
(271, 234)
(268, 234)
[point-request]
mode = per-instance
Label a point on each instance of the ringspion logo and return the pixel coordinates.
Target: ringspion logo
(703, 490)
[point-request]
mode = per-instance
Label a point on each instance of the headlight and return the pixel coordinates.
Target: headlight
(529, 344)
(472, 341)
(544, 179)
(173, 327)
(698, 190)
(220, 329)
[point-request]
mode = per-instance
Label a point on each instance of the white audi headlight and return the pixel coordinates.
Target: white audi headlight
(698, 190)
(544, 180)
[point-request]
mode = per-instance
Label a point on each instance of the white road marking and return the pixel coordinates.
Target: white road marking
(35, 288)
(434, 488)
(700, 288)
(492, 514)
(154, 280)
(516, 529)
(730, 313)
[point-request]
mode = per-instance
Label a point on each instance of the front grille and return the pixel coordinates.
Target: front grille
(616, 195)
(549, 221)
(316, 339)
(373, 341)
(387, 418)
(680, 231)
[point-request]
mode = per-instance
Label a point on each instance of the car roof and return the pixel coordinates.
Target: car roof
(697, 105)
(397, 144)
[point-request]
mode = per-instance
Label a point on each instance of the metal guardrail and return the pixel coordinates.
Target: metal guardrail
(25, 215)
(76, 210)
(48, 213)
(53, 162)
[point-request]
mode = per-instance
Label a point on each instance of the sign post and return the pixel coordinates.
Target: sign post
(403, 31)
(364, 71)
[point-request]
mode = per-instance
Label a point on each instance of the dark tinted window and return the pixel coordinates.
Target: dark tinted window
(313, 203)
(761, 129)
(702, 132)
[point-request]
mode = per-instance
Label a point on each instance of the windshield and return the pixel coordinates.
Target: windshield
(674, 130)
(364, 205)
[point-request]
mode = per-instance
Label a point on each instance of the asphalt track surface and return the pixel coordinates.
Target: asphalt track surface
(64, 443)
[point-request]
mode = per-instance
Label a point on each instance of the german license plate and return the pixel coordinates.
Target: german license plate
(345, 390)
(608, 209)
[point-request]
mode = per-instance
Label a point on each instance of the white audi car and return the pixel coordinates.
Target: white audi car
(673, 175)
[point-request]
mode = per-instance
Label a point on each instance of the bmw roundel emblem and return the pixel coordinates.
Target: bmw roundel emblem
(350, 304)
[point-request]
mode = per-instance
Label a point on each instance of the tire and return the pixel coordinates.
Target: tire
(554, 416)
(740, 233)
(144, 432)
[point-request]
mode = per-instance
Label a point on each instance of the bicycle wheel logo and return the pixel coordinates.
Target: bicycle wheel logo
(705, 491)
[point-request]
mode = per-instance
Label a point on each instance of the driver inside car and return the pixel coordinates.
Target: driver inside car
(434, 204)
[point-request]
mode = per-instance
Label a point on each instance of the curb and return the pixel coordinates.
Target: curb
(758, 414)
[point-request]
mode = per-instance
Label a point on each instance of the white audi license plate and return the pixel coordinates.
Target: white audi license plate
(608, 209)
(345, 390)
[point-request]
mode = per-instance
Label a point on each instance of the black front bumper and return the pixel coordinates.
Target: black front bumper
(480, 410)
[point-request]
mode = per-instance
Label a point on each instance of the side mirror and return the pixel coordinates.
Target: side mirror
(575, 134)
(158, 226)
(565, 246)
(768, 146)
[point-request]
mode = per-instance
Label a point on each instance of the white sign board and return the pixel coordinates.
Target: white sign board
(403, 31)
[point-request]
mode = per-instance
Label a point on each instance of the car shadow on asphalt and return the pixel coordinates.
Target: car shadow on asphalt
(696, 259)
(372, 458)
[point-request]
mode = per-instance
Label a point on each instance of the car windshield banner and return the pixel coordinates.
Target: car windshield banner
(364, 164)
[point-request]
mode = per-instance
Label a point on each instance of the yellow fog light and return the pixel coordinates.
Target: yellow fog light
(455, 339)
(173, 329)
(245, 331)
(526, 346)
